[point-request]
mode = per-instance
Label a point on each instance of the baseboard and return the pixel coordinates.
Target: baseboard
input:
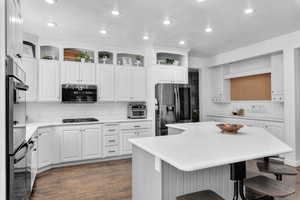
(81, 162)
(293, 163)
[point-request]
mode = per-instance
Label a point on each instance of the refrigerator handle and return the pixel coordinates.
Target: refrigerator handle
(177, 104)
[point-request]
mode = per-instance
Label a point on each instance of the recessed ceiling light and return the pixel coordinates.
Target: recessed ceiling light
(181, 42)
(103, 32)
(208, 29)
(51, 1)
(51, 24)
(167, 22)
(201, 0)
(115, 12)
(145, 37)
(248, 11)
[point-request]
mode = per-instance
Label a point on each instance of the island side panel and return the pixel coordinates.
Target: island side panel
(176, 182)
(146, 181)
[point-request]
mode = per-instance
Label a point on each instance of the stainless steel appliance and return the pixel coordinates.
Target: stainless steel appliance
(73, 93)
(18, 165)
(173, 105)
(137, 111)
(78, 120)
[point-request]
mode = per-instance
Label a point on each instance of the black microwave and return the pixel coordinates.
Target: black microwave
(74, 93)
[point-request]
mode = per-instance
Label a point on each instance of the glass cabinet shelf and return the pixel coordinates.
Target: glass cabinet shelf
(105, 57)
(79, 55)
(130, 59)
(49, 52)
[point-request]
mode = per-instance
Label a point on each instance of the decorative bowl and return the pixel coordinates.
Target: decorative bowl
(230, 128)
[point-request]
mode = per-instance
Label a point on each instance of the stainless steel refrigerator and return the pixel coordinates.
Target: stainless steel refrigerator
(173, 105)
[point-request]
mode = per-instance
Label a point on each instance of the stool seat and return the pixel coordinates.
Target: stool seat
(202, 195)
(276, 168)
(269, 187)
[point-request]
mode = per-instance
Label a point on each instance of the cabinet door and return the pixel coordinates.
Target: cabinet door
(277, 73)
(126, 145)
(87, 73)
(70, 145)
(90, 143)
(123, 83)
(44, 149)
(138, 81)
(49, 80)
(106, 82)
(31, 69)
(180, 74)
(70, 72)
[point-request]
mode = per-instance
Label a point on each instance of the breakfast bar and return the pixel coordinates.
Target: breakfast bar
(198, 157)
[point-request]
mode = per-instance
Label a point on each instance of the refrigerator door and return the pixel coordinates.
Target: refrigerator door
(165, 108)
(183, 104)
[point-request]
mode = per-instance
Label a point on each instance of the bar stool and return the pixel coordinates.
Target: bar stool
(202, 195)
(268, 188)
(276, 167)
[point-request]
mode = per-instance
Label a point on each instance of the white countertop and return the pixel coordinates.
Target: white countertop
(201, 146)
(32, 127)
(250, 117)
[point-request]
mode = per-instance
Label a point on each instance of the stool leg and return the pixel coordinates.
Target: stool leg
(278, 177)
(236, 190)
(241, 188)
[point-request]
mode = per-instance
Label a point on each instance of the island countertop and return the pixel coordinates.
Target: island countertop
(201, 146)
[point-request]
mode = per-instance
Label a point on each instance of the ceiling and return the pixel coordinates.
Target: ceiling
(80, 20)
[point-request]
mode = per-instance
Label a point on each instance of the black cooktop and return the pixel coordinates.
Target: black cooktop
(78, 120)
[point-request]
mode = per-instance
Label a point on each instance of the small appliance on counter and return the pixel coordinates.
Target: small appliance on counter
(137, 111)
(79, 93)
(80, 120)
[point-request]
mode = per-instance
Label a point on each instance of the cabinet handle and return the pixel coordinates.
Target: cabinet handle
(111, 130)
(111, 151)
(111, 140)
(35, 149)
(137, 126)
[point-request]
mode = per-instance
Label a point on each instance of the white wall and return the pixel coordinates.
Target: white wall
(286, 43)
(2, 100)
(55, 112)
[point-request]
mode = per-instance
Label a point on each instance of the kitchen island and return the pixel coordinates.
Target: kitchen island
(197, 159)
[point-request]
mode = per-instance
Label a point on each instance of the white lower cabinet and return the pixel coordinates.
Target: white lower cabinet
(133, 130)
(45, 146)
(91, 143)
(80, 143)
(111, 138)
(70, 144)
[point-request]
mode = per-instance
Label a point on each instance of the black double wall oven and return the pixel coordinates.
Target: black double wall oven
(18, 148)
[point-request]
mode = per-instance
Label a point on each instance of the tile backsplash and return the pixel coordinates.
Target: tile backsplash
(37, 112)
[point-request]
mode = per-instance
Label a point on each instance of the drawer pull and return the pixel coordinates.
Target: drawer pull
(137, 126)
(112, 151)
(111, 130)
(111, 140)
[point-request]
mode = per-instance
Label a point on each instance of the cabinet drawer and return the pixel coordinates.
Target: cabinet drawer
(111, 151)
(111, 140)
(110, 129)
(135, 125)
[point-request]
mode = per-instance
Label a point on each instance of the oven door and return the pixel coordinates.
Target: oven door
(19, 174)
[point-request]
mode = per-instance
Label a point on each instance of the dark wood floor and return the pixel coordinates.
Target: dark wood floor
(102, 181)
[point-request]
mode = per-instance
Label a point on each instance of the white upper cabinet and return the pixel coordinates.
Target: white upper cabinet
(219, 87)
(70, 72)
(49, 81)
(130, 83)
(277, 77)
(87, 73)
(30, 66)
(78, 73)
(138, 81)
(106, 82)
(123, 83)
